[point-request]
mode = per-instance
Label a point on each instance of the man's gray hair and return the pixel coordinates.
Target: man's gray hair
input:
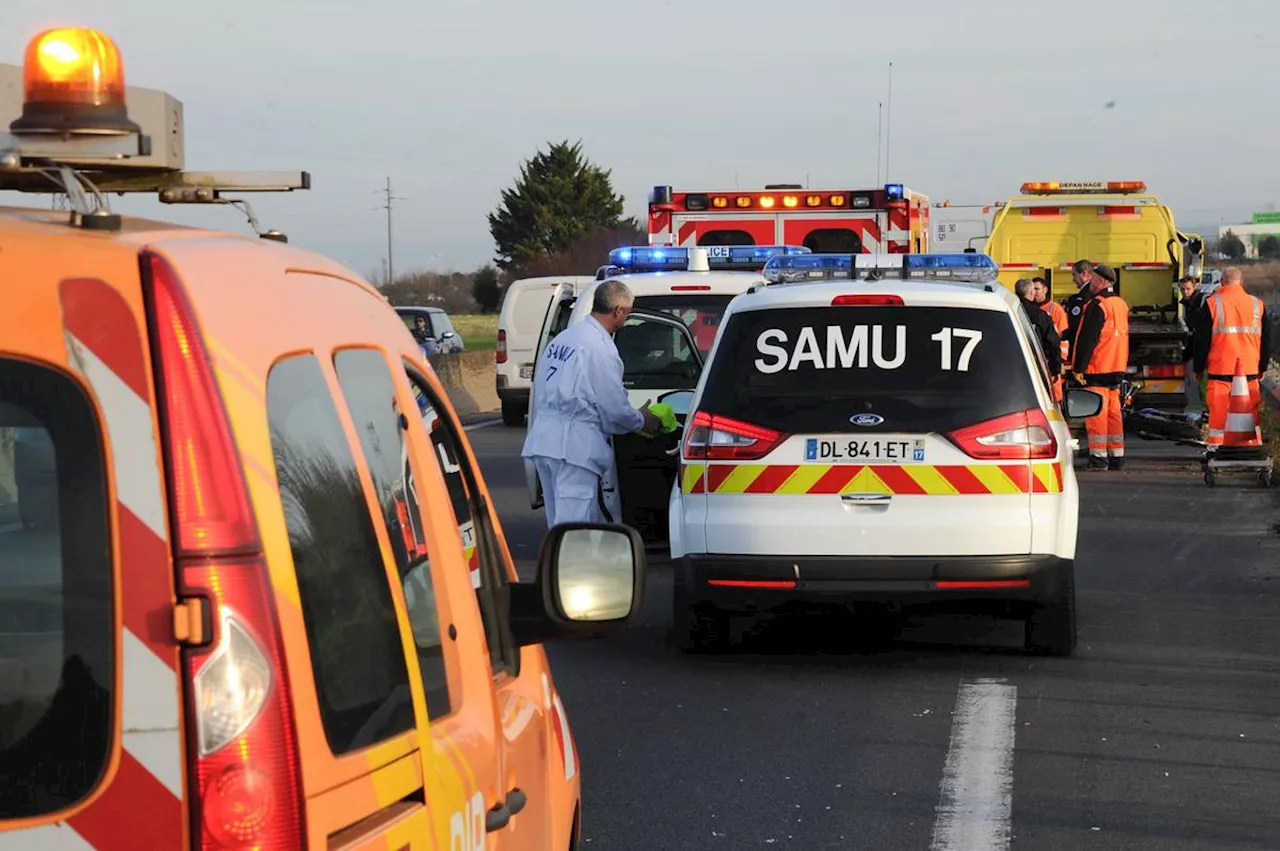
(1023, 287)
(609, 296)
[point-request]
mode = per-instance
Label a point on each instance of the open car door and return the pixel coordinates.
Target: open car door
(659, 358)
(555, 320)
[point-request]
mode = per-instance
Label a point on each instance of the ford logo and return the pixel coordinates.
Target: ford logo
(866, 419)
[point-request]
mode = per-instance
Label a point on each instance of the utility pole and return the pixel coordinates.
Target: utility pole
(388, 203)
(879, 140)
(888, 124)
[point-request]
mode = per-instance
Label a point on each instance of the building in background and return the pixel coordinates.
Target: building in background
(1263, 225)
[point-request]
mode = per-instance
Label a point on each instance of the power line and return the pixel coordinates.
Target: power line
(387, 205)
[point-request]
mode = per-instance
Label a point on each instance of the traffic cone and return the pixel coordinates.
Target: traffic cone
(1243, 428)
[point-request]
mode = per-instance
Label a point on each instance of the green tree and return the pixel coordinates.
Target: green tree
(1269, 248)
(486, 289)
(1231, 246)
(559, 197)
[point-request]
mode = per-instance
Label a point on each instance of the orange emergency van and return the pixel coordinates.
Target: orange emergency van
(236, 516)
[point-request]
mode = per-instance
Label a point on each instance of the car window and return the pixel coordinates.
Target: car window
(440, 321)
(486, 563)
(362, 679)
(701, 313)
(370, 393)
(920, 368)
(57, 634)
(563, 310)
(656, 355)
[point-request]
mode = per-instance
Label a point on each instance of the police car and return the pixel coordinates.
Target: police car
(876, 428)
(680, 295)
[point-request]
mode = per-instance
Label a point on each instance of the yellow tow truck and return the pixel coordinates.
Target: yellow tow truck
(1050, 225)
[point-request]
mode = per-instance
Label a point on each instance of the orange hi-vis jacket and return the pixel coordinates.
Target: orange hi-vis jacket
(1237, 322)
(1060, 321)
(1102, 344)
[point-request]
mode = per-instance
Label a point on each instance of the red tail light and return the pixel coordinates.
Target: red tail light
(686, 288)
(244, 775)
(1013, 437)
(711, 437)
(878, 299)
(1165, 371)
(500, 350)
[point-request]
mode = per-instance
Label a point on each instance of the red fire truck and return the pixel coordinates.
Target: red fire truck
(889, 220)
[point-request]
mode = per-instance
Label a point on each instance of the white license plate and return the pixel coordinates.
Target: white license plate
(886, 449)
(526, 372)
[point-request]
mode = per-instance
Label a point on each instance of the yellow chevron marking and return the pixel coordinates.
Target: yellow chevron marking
(692, 472)
(930, 480)
(1045, 474)
(867, 482)
(805, 477)
(994, 479)
(741, 478)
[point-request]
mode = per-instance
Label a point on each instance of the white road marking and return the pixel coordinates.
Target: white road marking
(976, 799)
(478, 426)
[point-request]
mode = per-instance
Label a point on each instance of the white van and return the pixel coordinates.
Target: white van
(524, 307)
(680, 295)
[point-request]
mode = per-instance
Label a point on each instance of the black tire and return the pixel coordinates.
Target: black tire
(513, 413)
(1051, 626)
(1265, 478)
(1208, 477)
(699, 627)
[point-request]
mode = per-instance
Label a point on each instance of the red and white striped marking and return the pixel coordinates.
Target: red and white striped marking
(560, 727)
(141, 806)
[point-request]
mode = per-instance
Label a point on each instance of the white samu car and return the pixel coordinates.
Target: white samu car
(876, 427)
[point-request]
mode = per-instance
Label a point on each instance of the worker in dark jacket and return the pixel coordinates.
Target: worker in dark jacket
(1195, 319)
(1083, 275)
(1050, 342)
(1100, 359)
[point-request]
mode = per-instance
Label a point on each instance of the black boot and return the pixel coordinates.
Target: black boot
(1115, 464)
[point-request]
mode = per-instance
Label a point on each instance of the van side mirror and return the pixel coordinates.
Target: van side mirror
(1082, 404)
(590, 577)
(446, 335)
(679, 400)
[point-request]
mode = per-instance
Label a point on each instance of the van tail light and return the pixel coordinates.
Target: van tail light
(1176, 370)
(1013, 437)
(500, 350)
(243, 757)
(711, 437)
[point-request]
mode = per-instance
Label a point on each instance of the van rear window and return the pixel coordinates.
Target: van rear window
(701, 313)
(920, 368)
(57, 642)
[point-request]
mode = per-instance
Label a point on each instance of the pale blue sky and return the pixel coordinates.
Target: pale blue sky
(448, 96)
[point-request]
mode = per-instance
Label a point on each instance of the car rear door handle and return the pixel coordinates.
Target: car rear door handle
(866, 498)
(499, 816)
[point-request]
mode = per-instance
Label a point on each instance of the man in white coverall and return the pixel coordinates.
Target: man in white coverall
(579, 403)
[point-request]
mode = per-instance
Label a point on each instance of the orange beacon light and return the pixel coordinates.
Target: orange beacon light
(73, 84)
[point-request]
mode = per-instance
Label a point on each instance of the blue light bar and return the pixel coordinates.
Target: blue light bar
(894, 191)
(749, 256)
(650, 258)
(969, 268)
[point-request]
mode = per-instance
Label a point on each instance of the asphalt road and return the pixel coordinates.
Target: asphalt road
(1163, 732)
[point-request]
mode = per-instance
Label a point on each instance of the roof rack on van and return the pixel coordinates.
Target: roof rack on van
(967, 268)
(75, 136)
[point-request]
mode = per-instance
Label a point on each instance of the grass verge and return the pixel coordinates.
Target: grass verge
(479, 331)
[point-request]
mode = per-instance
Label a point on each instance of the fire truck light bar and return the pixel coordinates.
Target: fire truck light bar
(779, 199)
(1091, 187)
(968, 268)
(647, 258)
